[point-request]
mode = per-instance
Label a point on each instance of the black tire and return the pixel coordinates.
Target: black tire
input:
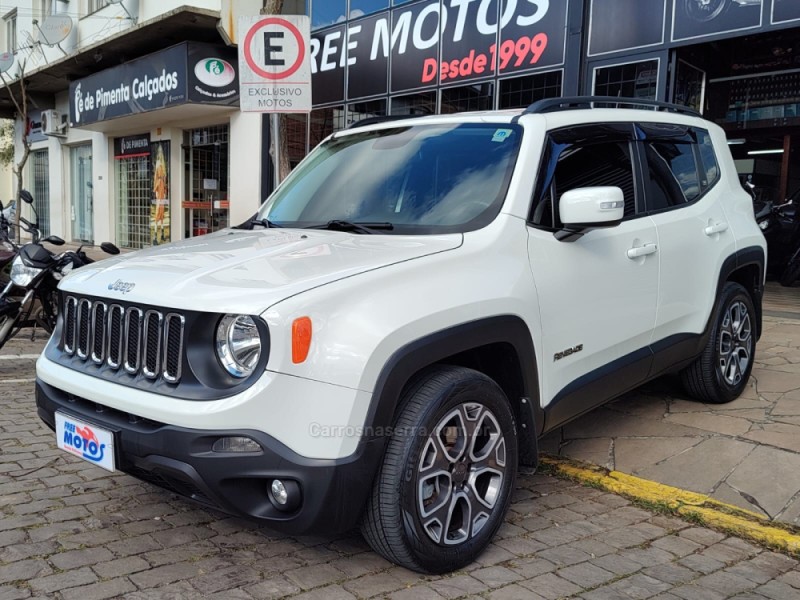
(394, 523)
(792, 271)
(721, 372)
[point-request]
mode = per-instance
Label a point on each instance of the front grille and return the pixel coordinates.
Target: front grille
(138, 341)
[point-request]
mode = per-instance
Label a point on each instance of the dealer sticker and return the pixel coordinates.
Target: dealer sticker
(85, 441)
(501, 135)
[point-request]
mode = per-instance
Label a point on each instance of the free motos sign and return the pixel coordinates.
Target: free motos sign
(434, 42)
(187, 73)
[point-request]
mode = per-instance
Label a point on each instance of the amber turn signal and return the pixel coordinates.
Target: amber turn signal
(301, 339)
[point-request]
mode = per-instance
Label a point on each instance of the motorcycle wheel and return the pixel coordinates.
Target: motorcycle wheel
(792, 271)
(9, 313)
(705, 10)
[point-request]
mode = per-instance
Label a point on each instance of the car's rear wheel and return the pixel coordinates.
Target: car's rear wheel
(446, 480)
(721, 372)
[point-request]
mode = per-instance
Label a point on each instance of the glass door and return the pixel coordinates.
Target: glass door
(82, 206)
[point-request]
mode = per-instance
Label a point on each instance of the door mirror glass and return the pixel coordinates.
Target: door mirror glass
(26, 197)
(109, 248)
(55, 240)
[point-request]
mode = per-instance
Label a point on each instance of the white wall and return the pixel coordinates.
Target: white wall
(245, 166)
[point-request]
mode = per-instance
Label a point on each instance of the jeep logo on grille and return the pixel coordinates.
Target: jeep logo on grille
(121, 286)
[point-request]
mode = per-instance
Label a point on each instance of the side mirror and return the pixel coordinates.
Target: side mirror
(55, 240)
(109, 248)
(589, 208)
(26, 197)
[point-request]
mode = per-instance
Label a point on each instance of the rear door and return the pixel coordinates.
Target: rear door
(684, 198)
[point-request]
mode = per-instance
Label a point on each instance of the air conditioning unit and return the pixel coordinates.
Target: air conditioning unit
(53, 123)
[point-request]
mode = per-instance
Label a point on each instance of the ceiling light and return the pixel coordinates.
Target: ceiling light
(756, 152)
(736, 142)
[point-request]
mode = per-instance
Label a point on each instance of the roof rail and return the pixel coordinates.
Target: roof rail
(380, 119)
(548, 105)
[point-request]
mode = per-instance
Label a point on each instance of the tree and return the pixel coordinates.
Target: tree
(20, 101)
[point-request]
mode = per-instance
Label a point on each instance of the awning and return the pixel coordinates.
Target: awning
(185, 23)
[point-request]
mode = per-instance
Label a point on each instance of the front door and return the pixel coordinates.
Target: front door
(597, 296)
(82, 205)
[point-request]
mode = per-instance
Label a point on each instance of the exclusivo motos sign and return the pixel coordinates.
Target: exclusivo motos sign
(436, 42)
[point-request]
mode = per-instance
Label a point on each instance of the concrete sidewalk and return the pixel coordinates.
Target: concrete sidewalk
(745, 453)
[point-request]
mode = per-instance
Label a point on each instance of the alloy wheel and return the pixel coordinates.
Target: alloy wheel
(735, 343)
(460, 474)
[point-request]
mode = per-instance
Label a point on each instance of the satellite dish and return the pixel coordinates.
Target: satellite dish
(6, 61)
(55, 29)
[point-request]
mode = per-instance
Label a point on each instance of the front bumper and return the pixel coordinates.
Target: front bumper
(334, 491)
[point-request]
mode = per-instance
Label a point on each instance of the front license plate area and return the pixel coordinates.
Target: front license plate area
(89, 442)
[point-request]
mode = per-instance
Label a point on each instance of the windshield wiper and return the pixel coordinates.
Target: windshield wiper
(265, 223)
(339, 225)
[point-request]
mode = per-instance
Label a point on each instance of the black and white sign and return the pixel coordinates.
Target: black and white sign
(132, 145)
(700, 18)
(188, 72)
(273, 58)
(476, 39)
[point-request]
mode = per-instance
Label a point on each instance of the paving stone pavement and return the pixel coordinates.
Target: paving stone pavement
(70, 530)
(746, 452)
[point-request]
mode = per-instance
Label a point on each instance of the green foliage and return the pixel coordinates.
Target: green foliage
(6, 142)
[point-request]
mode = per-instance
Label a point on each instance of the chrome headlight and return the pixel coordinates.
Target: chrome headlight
(238, 345)
(21, 274)
(764, 225)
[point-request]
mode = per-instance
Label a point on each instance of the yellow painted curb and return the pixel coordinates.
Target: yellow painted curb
(696, 507)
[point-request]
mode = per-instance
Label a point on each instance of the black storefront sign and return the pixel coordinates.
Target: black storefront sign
(132, 145)
(531, 36)
(698, 18)
(188, 72)
(611, 30)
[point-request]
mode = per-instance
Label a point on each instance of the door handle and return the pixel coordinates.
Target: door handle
(715, 228)
(644, 250)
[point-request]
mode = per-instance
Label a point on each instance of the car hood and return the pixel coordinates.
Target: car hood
(246, 271)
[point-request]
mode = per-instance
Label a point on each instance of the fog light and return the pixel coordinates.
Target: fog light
(236, 444)
(279, 492)
(284, 494)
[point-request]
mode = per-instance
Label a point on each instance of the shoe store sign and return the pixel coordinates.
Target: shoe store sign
(186, 73)
(437, 42)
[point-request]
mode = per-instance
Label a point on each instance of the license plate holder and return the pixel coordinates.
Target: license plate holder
(85, 440)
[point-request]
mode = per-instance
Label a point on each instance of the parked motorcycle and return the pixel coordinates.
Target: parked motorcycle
(30, 299)
(780, 224)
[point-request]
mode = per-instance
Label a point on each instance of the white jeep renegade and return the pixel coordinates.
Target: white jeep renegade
(385, 340)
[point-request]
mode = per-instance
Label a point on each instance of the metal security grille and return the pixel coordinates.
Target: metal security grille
(207, 158)
(148, 342)
(134, 191)
(466, 98)
(40, 165)
(634, 80)
(524, 91)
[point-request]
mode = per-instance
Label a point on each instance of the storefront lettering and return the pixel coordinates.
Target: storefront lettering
(424, 32)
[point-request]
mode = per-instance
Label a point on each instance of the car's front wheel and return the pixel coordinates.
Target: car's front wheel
(720, 374)
(448, 473)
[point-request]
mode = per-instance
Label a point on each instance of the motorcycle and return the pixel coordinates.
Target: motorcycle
(8, 249)
(30, 299)
(780, 224)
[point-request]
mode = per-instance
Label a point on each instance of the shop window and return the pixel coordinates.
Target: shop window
(468, 98)
(524, 91)
(327, 12)
(82, 201)
(206, 161)
(420, 104)
(359, 8)
(296, 138)
(634, 80)
(358, 111)
(40, 167)
(324, 121)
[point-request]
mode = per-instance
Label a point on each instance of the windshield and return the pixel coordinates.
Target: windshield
(418, 179)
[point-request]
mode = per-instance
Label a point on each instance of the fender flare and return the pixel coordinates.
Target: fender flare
(435, 347)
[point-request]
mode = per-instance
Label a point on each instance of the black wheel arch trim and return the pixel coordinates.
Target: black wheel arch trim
(436, 347)
(752, 255)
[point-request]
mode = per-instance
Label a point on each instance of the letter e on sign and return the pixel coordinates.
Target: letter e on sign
(274, 63)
